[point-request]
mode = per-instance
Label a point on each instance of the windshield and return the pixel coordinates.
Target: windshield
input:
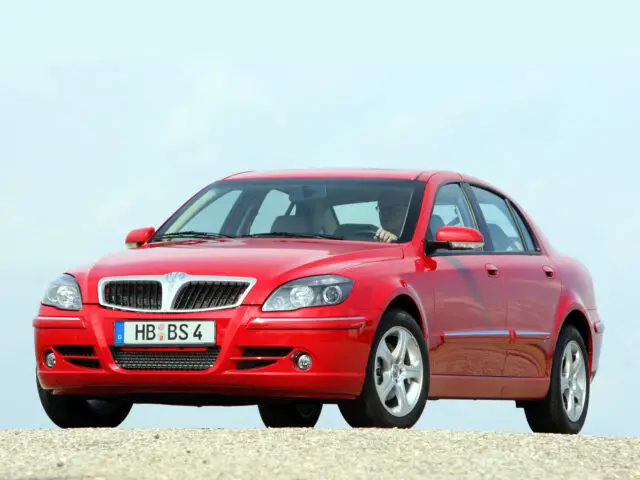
(339, 209)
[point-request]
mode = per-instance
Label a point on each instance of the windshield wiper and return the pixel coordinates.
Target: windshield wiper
(191, 234)
(293, 235)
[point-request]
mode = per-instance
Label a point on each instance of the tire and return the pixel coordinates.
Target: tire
(71, 411)
(290, 415)
(550, 415)
(369, 410)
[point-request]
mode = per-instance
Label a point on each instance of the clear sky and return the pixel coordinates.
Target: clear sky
(111, 115)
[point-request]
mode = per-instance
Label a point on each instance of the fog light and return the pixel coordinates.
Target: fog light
(303, 361)
(50, 359)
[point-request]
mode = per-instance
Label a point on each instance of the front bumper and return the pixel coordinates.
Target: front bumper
(254, 354)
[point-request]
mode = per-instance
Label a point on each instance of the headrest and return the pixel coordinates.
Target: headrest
(498, 237)
(435, 224)
(289, 224)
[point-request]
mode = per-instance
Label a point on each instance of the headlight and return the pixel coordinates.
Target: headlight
(64, 293)
(319, 291)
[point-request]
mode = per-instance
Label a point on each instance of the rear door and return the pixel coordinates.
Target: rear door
(469, 317)
(532, 288)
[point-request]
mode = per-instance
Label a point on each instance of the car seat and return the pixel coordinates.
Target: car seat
(289, 224)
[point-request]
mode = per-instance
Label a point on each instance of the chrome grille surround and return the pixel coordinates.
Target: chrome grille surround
(171, 284)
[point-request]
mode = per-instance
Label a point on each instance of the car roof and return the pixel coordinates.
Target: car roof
(390, 173)
(374, 173)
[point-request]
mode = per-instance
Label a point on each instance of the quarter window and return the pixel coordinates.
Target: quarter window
(528, 237)
(502, 227)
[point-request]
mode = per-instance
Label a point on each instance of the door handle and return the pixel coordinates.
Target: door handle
(548, 271)
(492, 270)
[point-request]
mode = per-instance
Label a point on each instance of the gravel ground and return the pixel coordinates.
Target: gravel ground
(310, 454)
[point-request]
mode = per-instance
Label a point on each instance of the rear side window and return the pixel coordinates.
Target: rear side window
(503, 230)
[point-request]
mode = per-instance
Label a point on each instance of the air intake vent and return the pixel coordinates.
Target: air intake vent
(165, 360)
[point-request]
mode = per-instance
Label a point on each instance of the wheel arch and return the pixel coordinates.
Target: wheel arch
(395, 292)
(406, 299)
(576, 317)
(406, 303)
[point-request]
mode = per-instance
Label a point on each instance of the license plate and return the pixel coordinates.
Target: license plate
(165, 333)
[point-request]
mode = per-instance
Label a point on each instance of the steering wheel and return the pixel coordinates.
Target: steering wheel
(364, 231)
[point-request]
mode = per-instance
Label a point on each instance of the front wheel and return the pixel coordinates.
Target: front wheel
(71, 411)
(564, 409)
(396, 384)
(290, 415)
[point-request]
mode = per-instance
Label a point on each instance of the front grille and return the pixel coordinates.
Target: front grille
(209, 294)
(165, 360)
(139, 294)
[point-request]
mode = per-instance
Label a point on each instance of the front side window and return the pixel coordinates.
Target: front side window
(450, 209)
(341, 209)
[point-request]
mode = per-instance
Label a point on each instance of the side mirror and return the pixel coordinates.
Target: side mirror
(139, 236)
(458, 238)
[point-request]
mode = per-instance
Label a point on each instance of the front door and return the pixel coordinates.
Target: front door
(468, 323)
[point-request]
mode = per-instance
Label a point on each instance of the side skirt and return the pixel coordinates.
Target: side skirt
(458, 387)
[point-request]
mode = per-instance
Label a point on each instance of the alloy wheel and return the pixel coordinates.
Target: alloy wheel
(398, 371)
(573, 381)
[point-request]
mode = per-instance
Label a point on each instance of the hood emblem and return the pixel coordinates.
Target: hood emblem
(175, 277)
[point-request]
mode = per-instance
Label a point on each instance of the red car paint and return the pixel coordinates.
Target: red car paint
(491, 320)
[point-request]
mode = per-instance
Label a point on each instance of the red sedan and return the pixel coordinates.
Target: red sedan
(372, 289)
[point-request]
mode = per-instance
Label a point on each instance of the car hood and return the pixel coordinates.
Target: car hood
(274, 259)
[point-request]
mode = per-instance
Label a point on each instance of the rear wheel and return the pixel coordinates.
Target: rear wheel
(290, 415)
(71, 411)
(396, 384)
(564, 409)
